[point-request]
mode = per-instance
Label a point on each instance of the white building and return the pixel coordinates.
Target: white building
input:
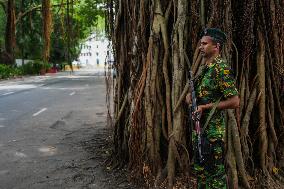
(95, 52)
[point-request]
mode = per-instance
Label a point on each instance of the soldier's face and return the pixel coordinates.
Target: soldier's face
(207, 47)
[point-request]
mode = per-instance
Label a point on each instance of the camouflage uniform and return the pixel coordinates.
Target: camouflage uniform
(214, 82)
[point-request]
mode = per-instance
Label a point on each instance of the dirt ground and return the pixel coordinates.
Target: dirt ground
(93, 170)
(86, 152)
(80, 161)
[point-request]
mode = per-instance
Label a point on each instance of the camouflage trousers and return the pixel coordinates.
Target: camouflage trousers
(211, 171)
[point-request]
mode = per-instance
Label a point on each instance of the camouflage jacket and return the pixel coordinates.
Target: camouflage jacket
(214, 82)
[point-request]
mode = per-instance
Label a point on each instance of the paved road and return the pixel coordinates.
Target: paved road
(44, 121)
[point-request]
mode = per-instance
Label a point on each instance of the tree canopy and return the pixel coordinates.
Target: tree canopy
(30, 42)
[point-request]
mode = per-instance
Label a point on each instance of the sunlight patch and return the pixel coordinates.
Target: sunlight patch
(48, 150)
(18, 87)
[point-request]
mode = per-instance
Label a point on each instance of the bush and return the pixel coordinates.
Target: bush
(9, 71)
(38, 66)
(30, 68)
(35, 67)
(27, 69)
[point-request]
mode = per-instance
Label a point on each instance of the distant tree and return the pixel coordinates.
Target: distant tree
(33, 37)
(2, 27)
(10, 36)
(47, 28)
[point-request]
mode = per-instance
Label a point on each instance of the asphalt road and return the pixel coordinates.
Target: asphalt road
(44, 120)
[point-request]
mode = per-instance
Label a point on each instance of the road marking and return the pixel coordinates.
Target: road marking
(18, 86)
(39, 112)
(20, 154)
(71, 94)
(2, 126)
(7, 93)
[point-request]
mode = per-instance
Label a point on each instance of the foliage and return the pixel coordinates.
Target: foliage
(7, 71)
(87, 12)
(29, 29)
(2, 27)
(34, 67)
(29, 34)
(84, 17)
(31, 68)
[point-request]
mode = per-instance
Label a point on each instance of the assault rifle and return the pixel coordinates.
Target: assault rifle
(196, 116)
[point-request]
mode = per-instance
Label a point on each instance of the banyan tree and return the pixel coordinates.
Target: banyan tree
(155, 44)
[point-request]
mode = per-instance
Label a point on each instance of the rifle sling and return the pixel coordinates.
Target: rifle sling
(212, 111)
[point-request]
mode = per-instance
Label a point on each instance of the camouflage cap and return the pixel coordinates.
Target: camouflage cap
(215, 33)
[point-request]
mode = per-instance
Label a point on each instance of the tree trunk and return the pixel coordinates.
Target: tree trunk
(47, 28)
(10, 34)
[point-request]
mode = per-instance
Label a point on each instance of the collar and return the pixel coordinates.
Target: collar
(215, 60)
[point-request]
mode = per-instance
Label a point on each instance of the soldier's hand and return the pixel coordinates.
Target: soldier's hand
(200, 109)
(188, 98)
(197, 114)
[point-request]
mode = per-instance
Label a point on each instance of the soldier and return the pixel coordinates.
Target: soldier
(215, 91)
